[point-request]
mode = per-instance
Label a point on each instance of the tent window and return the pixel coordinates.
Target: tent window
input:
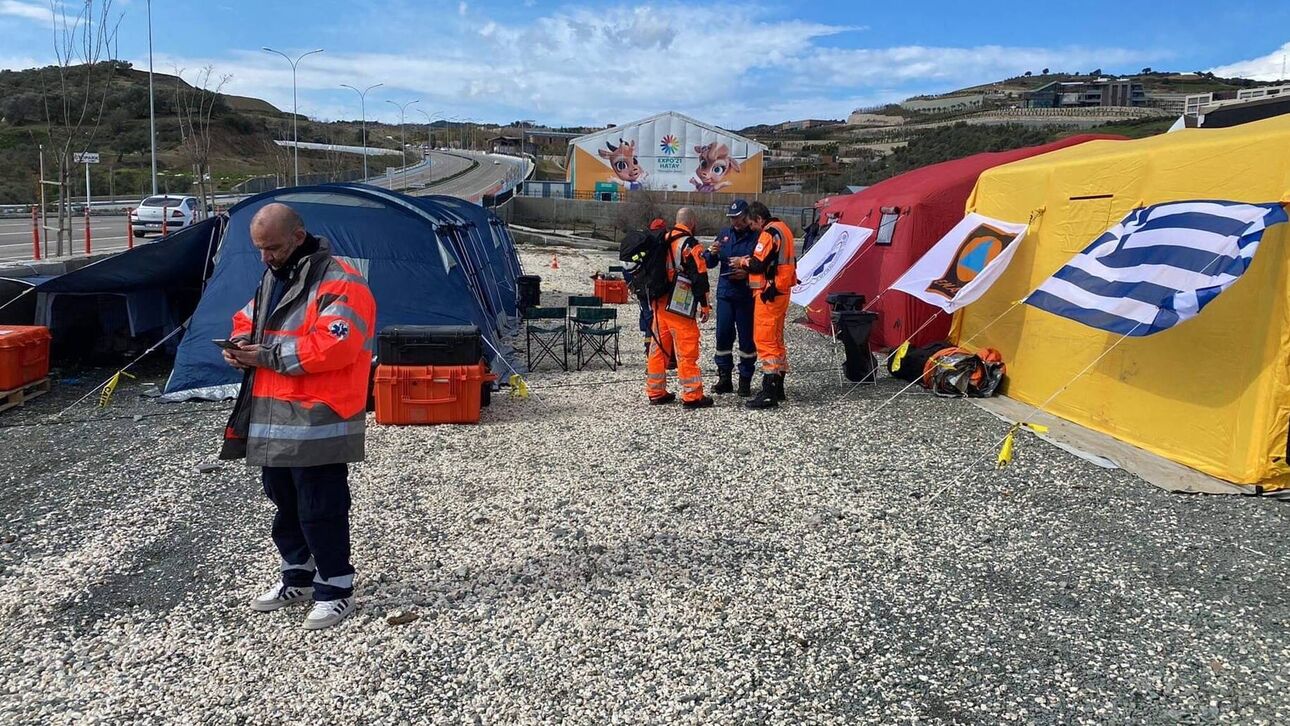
(887, 227)
(449, 261)
(336, 200)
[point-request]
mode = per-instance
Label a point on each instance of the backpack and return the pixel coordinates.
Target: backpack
(646, 252)
(909, 366)
(954, 372)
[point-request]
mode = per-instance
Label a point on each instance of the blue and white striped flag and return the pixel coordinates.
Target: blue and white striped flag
(1159, 266)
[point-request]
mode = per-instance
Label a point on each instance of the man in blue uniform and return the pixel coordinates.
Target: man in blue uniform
(734, 301)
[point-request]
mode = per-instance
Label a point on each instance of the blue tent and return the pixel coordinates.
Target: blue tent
(429, 262)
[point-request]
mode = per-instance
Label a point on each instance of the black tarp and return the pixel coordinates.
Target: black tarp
(18, 300)
(180, 260)
(135, 298)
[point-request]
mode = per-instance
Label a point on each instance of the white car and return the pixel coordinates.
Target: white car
(178, 211)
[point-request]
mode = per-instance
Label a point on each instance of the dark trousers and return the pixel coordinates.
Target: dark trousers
(311, 527)
(735, 315)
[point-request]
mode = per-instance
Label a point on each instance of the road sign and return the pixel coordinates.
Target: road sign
(85, 157)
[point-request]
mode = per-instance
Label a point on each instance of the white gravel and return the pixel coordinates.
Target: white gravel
(585, 558)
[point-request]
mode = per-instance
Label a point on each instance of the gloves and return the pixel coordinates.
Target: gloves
(770, 293)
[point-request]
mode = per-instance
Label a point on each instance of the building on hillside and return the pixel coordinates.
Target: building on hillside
(1102, 92)
(665, 152)
(804, 124)
(513, 145)
(865, 118)
(513, 140)
(1171, 102)
(1199, 104)
(945, 104)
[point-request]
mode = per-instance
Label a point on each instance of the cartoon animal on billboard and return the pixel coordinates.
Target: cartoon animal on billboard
(715, 165)
(622, 160)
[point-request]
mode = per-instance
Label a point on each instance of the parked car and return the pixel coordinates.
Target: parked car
(178, 211)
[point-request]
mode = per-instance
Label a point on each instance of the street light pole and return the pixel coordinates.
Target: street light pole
(403, 134)
(362, 110)
(295, 115)
(152, 112)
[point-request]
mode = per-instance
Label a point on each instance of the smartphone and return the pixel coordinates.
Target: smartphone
(227, 344)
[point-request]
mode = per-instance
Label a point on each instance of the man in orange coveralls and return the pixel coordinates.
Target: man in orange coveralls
(674, 324)
(772, 273)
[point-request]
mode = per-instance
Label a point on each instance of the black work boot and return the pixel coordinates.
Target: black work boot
(705, 402)
(779, 388)
(723, 382)
(745, 386)
(660, 400)
(765, 398)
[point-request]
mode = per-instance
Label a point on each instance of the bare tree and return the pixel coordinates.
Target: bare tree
(196, 104)
(281, 160)
(85, 45)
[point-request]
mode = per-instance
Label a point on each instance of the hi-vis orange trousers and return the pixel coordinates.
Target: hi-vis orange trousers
(768, 332)
(680, 337)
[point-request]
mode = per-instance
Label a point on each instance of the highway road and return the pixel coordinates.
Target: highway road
(106, 233)
(457, 174)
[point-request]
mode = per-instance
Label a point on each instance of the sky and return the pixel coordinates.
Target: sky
(593, 63)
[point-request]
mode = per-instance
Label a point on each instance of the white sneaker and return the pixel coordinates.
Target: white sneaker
(328, 613)
(280, 596)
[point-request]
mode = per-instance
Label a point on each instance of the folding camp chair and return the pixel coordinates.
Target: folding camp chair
(597, 336)
(577, 302)
(548, 327)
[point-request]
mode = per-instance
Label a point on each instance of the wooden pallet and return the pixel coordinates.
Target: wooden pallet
(19, 396)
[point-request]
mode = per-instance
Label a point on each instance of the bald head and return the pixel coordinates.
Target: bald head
(276, 231)
(687, 218)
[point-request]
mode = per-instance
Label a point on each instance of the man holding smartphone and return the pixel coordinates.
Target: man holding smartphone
(304, 344)
(734, 301)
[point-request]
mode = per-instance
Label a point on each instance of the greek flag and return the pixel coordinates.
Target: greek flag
(1159, 266)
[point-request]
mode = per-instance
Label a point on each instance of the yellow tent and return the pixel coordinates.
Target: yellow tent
(1212, 393)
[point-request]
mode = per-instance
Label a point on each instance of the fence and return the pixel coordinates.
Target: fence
(561, 190)
(260, 184)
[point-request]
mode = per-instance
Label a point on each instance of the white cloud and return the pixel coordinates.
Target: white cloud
(462, 8)
(37, 11)
(727, 64)
(1271, 67)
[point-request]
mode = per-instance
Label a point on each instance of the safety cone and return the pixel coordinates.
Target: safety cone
(555, 263)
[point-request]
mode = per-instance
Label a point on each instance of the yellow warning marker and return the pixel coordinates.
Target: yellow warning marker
(1005, 451)
(106, 396)
(899, 356)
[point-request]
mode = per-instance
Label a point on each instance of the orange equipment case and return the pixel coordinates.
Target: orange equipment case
(431, 394)
(24, 355)
(611, 291)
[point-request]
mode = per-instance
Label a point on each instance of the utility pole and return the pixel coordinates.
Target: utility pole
(152, 108)
(295, 114)
(362, 110)
(403, 133)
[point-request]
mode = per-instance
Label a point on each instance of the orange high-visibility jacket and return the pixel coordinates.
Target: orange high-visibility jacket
(686, 254)
(774, 257)
(308, 400)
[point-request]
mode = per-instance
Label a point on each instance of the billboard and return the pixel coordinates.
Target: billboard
(668, 152)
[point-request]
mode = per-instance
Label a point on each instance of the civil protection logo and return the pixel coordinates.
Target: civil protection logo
(978, 250)
(669, 145)
(826, 265)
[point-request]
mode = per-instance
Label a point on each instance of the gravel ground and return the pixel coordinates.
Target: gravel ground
(581, 557)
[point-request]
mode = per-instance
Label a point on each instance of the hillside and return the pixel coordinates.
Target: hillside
(1152, 82)
(242, 134)
(887, 140)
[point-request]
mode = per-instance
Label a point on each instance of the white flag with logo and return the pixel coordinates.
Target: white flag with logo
(964, 263)
(827, 257)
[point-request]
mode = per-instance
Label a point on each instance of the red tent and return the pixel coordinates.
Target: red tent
(911, 212)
